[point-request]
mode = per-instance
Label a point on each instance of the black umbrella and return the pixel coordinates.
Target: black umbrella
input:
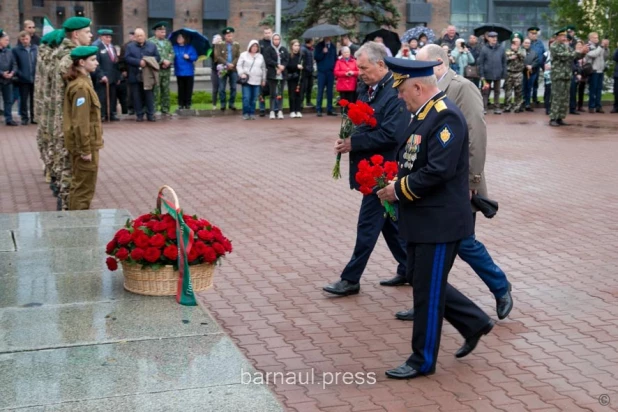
(504, 32)
(324, 30)
(391, 39)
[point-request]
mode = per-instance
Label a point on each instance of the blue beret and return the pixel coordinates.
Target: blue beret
(76, 23)
(83, 52)
(406, 69)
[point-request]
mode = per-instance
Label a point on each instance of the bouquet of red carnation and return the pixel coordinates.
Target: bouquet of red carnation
(376, 172)
(151, 241)
(355, 114)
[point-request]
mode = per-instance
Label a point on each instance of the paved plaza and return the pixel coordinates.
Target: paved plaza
(268, 185)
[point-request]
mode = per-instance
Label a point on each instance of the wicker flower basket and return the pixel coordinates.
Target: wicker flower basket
(164, 281)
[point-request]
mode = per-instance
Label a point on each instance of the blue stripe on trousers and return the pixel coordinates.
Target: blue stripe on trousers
(436, 302)
(434, 298)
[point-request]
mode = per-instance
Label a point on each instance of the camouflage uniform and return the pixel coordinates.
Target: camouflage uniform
(62, 160)
(41, 94)
(514, 79)
(561, 73)
(162, 90)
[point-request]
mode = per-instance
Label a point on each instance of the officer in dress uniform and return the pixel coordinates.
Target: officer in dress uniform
(434, 214)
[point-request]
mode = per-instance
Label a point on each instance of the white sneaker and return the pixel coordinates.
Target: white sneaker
(299, 114)
(292, 115)
(280, 115)
(272, 115)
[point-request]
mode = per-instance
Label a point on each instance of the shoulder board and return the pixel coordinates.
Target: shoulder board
(431, 105)
(440, 106)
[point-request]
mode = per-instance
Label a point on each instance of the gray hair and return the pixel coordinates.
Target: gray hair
(430, 81)
(344, 49)
(435, 52)
(375, 52)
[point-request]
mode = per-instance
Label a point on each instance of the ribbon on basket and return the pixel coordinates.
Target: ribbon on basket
(184, 234)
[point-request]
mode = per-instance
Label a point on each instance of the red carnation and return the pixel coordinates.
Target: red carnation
(377, 159)
(157, 241)
(206, 235)
(121, 232)
(192, 255)
(372, 122)
(343, 103)
(377, 171)
(112, 264)
(227, 245)
(363, 165)
(124, 239)
(168, 218)
(152, 254)
(210, 256)
(137, 254)
(146, 217)
(110, 247)
(171, 252)
(218, 247)
(171, 233)
(122, 253)
(160, 226)
(365, 178)
(142, 241)
(137, 233)
(199, 247)
(151, 224)
(365, 190)
(204, 223)
(390, 168)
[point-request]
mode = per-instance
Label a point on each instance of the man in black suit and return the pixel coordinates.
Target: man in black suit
(107, 75)
(25, 54)
(365, 142)
(434, 214)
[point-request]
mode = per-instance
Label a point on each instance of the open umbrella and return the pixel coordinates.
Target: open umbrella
(194, 38)
(415, 32)
(324, 30)
(391, 39)
(504, 32)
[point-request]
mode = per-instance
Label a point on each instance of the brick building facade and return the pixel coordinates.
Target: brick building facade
(210, 16)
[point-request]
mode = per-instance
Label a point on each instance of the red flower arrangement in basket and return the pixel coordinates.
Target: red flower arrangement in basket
(151, 241)
(355, 115)
(376, 172)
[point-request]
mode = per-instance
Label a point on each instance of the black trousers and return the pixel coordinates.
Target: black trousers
(142, 97)
(26, 101)
(122, 94)
(434, 300)
(306, 86)
(349, 96)
(371, 222)
(547, 98)
(185, 90)
(293, 96)
(101, 90)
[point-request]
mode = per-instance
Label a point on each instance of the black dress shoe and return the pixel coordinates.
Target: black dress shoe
(139, 119)
(504, 304)
(561, 122)
(471, 343)
(405, 314)
(115, 119)
(553, 123)
(319, 114)
(332, 114)
(404, 371)
(33, 122)
(11, 123)
(232, 108)
(152, 119)
(398, 280)
(575, 112)
(529, 109)
(342, 288)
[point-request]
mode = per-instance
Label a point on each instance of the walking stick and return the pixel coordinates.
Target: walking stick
(109, 118)
(300, 78)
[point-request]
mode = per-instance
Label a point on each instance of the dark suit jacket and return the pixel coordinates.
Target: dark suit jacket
(26, 63)
(134, 54)
(107, 67)
(392, 117)
(432, 185)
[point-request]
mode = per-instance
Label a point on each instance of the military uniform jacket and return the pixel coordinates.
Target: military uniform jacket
(515, 60)
(392, 117)
(165, 49)
(220, 53)
(562, 61)
(432, 185)
(83, 133)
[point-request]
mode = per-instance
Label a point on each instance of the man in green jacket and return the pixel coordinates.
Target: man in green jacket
(166, 51)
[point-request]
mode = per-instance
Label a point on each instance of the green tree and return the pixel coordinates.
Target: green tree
(346, 13)
(588, 16)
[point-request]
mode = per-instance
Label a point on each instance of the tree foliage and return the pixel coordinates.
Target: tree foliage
(346, 13)
(588, 15)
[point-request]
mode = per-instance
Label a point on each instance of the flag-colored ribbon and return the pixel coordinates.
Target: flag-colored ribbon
(184, 235)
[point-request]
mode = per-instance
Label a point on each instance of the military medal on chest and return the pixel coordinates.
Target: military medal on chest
(413, 146)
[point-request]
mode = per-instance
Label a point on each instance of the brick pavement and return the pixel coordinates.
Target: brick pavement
(268, 185)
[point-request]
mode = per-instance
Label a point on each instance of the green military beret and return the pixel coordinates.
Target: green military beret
(561, 32)
(1, 33)
(83, 52)
(571, 27)
(227, 30)
(533, 29)
(76, 23)
(160, 24)
(516, 35)
(105, 32)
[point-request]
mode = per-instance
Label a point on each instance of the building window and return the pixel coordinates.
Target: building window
(212, 27)
(521, 17)
(467, 14)
(38, 3)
